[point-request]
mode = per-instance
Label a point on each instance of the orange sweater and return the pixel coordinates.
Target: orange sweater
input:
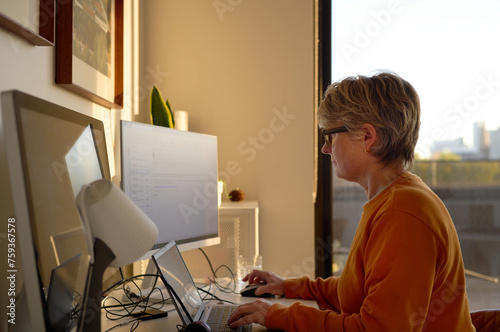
(404, 272)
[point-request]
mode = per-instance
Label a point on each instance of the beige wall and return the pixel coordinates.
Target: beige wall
(244, 72)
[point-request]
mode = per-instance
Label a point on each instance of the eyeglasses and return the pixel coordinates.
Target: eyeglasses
(327, 134)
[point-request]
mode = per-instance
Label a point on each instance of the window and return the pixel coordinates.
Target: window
(448, 50)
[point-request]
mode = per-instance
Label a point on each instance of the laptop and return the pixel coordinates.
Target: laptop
(185, 295)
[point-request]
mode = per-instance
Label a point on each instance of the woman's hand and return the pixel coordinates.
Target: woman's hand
(255, 312)
(274, 284)
(249, 313)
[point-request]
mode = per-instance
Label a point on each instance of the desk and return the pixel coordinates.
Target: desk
(168, 324)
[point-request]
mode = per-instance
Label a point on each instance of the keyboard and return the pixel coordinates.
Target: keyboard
(218, 319)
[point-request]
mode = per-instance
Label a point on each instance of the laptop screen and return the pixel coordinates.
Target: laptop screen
(175, 272)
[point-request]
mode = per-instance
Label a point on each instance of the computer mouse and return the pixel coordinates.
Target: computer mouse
(249, 291)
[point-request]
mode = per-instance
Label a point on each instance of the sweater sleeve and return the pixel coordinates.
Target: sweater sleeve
(399, 264)
(323, 291)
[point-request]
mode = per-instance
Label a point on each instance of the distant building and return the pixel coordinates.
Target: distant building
(481, 140)
(486, 145)
(495, 144)
(454, 146)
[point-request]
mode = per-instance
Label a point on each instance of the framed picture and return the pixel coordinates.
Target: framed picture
(32, 20)
(89, 49)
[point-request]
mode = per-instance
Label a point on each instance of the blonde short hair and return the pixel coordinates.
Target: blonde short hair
(384, 100)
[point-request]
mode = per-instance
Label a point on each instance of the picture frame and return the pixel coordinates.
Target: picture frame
(89, 49)
(31, 20)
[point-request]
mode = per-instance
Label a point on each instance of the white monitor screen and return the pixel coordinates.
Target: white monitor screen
(172, 176)
(82, 161)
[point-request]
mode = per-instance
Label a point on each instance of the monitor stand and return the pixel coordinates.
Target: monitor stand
(91, 314)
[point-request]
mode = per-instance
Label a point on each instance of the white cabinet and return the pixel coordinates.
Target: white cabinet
(248, 214)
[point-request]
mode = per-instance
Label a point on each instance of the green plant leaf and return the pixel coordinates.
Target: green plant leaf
(170, 112)
(161, 114)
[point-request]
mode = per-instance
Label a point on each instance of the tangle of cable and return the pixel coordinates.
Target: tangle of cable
(136, 301)
(225, 289)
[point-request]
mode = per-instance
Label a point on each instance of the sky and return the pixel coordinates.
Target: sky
(449, 50)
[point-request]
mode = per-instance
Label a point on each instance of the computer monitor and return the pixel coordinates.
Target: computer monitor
(46, 153)
(172, 176)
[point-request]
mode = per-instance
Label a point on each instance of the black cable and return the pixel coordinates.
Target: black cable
(215, 296)
(140, 301)
(137, 301)
(225, 289)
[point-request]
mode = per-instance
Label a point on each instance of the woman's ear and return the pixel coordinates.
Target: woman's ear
(369, 136)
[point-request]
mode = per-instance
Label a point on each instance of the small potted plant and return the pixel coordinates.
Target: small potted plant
(161, 113)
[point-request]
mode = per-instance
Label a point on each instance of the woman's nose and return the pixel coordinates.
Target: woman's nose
(326, 149)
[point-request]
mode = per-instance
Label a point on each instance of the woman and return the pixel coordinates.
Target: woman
(405, 270)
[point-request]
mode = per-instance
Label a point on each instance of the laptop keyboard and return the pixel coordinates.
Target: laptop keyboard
(218, 319)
